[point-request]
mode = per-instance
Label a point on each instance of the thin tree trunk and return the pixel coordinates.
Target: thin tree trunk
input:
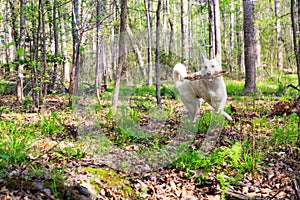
(157, 54)
(21, 50)
(250, 81)
(215, 30)
(148, 7)
(75, 58)
(231, 35)
(278, 36)
(44, 63)
(294, 16)
(35, 55)
(184, 29)
(136, 51)
(56, 45)
(171, 43)
(122, 55)
(99, 50)
(218, 43)
(212, 34)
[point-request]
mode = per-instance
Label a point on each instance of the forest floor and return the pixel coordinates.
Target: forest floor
(90, 154)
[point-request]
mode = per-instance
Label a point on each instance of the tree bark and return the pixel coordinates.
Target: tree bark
(56, 46)
(148, 7)
(157, 54)
(171, 43)
(99, 51)
(75, 57)
(184, 29)
(250, 68)
(215, 30)
(231, 35)
(122, 43)
(296, 36)
(21, 52)
(43, 81)
(257, 46)
(278, 36)
(136, 51)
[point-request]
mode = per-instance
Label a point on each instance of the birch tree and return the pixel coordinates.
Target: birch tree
(157, 55)
(21, 51)
(278, 36)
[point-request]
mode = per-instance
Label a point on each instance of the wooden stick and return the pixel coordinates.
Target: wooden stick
(197, 76)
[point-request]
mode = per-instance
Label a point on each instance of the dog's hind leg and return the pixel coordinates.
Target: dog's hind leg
(192, 105)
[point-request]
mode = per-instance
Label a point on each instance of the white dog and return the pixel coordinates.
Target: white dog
(211, 90)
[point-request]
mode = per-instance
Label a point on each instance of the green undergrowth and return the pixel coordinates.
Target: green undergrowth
(141, 124)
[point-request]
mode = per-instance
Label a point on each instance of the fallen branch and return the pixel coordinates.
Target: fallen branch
(197, 76)
(292, 86)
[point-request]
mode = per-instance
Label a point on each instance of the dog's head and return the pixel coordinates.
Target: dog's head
(209, 67)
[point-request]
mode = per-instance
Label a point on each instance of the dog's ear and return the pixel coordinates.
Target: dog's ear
(218, 57)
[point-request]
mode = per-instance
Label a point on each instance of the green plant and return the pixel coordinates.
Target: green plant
(57, 179)
(51, 125)
(14, 143)
(203, 123)
(134, 114)
(287, 134)
(225, 182)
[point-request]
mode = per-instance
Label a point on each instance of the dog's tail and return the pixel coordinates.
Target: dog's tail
(179, 72)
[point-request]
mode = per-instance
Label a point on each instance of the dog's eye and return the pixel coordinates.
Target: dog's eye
(212, 66)
(205, 67)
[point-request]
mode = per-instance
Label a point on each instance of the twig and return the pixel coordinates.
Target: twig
(292, 86)
(197, 76)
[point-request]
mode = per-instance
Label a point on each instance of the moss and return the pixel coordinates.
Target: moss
(113, 180)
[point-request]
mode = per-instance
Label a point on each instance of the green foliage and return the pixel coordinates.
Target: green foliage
(14, 142)
(68, 153)
(51, 125)
(204, 122)
(228, 160)
(286, 132)
(146, 90)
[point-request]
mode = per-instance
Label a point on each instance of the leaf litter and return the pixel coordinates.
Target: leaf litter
(276, 177)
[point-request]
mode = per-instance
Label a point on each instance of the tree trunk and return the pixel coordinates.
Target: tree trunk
(295, 16)
(122, 43)
(257, 46)
(34, 56)
(75, 57)
(215, 30)
(231, 35)
(56, 46)
(157, 55)
(278, 36)
(250, 81)
(136, 51)
(99, 51)
(21, 51)
(212, 34)
(43, 81)
(148, 7)
(184, 29)
(171, 44)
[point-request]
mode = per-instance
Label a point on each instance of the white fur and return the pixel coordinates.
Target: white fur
(213, 91)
